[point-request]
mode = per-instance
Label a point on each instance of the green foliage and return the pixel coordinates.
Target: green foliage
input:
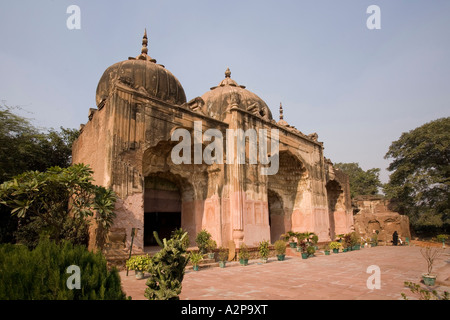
(419, 185)
(166, 269)
(425, 294)
(24, 147)
(289, 236)
(138, 263)
(335, 245)
(310, 250)
(41, 274)
(243, 252)
(441, 237)
(178, 234)
(202, 240)
(223, 254)
(211, 245)
(301, 237)
(195, 258)
(57, 203)
(361, 182)
(263, 249)
(280, 246)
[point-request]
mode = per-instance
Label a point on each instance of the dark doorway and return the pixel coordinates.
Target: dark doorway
(276, 216)
(163, 223)
(162, 209)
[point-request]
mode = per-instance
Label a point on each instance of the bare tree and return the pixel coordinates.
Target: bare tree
(430, 254)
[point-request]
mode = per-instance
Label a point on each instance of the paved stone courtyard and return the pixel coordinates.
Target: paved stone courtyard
(341, 276)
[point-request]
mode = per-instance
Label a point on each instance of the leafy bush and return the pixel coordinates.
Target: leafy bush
(202, 240)
(58, 203)
(280, 246)
(41, 274)
(243, 252)
(195, 258)
(138, 263)
(335, 245)
(211, 245)
(223, 254)
(263, 249)
(310, 250)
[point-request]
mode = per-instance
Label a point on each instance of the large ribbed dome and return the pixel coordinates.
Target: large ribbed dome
(143, 74)
(219, 99)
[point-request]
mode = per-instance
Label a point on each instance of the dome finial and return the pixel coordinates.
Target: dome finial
(228, 73)
(281, 111)
(144, 49)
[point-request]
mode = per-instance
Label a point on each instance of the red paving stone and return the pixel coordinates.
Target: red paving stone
(339, 276)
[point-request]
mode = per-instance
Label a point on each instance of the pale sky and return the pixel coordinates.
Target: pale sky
(357, 88)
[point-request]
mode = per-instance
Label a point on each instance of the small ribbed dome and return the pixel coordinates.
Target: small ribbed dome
(228, 92)
(143, 74)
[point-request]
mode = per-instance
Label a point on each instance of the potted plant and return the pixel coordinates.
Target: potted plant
(264, 250)
(303, 250)
(280, 248)
(243, 254)
(290, 237)
(310, 250)
(442, 238)
(327, 250)
(430, 254)
(139, 264)
(314, 240)
(211, 245)
(375, 239)
(300, 241)
(347, 242)
(195, 258)
(335, 246)
(223, 256)
(354, 241)
(202, 239)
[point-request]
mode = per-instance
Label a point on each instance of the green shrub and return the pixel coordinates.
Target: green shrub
(223, 254)
(202, 240)
(263, 249)
(243, 252)
(41, 274)
(138, 263)
(280, 247)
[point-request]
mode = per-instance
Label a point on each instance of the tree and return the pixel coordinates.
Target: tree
(361, 182)
(58, 202)
(419, 185)
(24, 147)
